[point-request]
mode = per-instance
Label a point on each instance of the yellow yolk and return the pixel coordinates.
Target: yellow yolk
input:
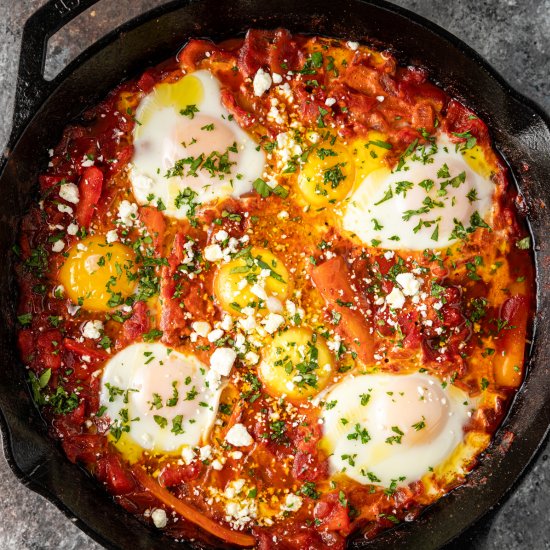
(475, 157)
(332, 168)
(97, 275)
(296, 364)
(369, 154)
(185, 94)
(327, 175)
(249, 281)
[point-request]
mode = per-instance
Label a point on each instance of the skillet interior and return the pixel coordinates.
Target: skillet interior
(520, 132)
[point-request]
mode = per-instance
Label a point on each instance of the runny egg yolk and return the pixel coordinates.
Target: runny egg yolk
(327, 175)
(97, 275)
(184, 95)
(332, 168)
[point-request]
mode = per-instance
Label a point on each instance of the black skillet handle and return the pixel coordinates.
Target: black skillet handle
(32, 89)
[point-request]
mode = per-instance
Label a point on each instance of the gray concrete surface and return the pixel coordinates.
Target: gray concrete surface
(514, 35)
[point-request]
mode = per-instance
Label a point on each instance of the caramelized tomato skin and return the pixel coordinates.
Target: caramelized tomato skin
(412, 106)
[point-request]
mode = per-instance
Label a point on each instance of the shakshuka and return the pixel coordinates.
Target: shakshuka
(276, 292)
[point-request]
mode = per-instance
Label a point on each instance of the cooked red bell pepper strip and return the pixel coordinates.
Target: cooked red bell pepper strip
(156, 226)
(90, 186)
(332, 280)
(81, 349)
(508, 359)
(190, 513)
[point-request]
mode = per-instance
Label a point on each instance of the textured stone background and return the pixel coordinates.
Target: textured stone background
(514, 35)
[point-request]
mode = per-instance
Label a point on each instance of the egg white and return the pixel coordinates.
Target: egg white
(361, 415)
(378, 209)
(142, 370)
(164, 136)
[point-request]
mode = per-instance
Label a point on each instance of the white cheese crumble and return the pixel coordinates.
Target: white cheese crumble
(92, 330)
(127, 212)
(222, 360)
(205, 452)
(272, 322)
(352, 45)
(330, 101)
(215, 335)
(159, 518)
(409, 283)
(292, 503)
(239, 436)
(69, 192)
(58, 246)
(202, 328)
(72, 229)
(395, 299)
(64, 208)
(112, 236)
(274, 304)
(213, 253)
(262, 82)
(188, 454)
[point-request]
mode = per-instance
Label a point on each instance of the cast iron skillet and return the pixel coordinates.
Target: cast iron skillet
(521, 131)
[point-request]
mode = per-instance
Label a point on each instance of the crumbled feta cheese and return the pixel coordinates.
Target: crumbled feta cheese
(330, 101)
(239, 436)
(112, 236)
(389, 254)
(262, 82)
(222, 360)
(227, 323)
(221, 235)
(292, 503)
(380, 98)
(395, 298)
(213, 253)
(248, 323)
(215, 334)
(205, 452)
(127, 212)
(158, 515)
(352, 45)
(272, 322)
(92, 330)
(58, 246)
(188, 454)
(64, 208)
(252, 358)
(217, 465)
(259, 291)
(202, 328)
(274, 304)
(72, 229)
(409, 283)
(277, 78)
(69, 192)
(141, 182)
